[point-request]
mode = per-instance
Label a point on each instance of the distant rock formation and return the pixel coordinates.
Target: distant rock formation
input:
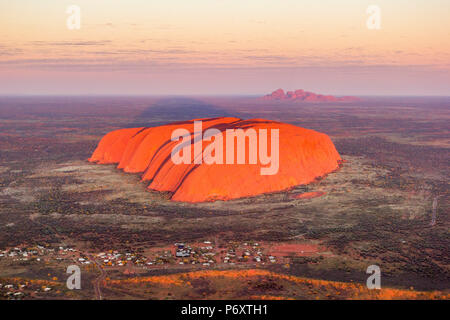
(301, 95)
(304, 155)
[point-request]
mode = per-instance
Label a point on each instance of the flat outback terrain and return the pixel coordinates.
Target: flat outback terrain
(387, 205)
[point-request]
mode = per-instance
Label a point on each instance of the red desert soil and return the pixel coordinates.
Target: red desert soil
(319, 289)
(301, 95)
(294, 248)
(308, 195)
(304, 155)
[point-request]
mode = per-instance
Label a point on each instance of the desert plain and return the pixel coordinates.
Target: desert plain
(387, 205)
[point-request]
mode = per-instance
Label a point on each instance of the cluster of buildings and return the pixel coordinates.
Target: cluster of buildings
(205, 253)
(246, 253)
(18, 291)
(116, 258)
(180, 254)
(36, 253)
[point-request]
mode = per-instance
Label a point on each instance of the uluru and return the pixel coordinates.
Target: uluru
(303, 155)
(302, 95)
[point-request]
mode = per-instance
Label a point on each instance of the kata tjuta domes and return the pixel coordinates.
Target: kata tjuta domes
(302, 95)
(220, 158)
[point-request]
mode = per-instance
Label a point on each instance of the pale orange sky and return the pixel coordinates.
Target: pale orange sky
(224, 47)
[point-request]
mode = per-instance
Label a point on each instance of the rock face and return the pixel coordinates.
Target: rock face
(304, 155)
(301, 95)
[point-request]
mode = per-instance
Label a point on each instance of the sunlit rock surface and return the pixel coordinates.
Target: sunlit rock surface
(304, 155)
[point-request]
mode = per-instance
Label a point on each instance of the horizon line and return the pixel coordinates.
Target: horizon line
(198, 95)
